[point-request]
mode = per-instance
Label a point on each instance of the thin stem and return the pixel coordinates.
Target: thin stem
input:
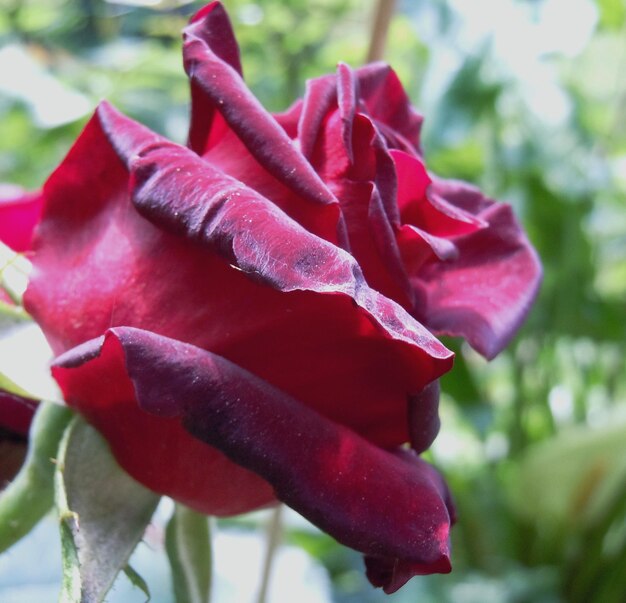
(274, 536)
(380, 28)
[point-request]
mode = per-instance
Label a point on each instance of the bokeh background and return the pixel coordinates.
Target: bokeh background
(526, 98)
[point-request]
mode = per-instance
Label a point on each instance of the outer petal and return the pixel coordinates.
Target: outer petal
(225, 91)
(486, 293)
(386, 506)
(207, 126)
(233, 131)
(20, 212)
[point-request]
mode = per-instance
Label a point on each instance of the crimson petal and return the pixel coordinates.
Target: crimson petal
(20, 212)
(206, 124)
(388, 104)
(388, 506)
(225, 91)
(486, 293)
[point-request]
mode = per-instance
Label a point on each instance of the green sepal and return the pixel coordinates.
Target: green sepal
(137, 581)
(103, 514)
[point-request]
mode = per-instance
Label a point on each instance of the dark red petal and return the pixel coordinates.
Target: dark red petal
(226, 92)
(388, 104)
(231, 157)
(382, 504)
(424, 208)
(20, 212)
(424, 420)
(154, 447)
(207, 126)
(289, 119)
(486, 293)
(347, 101)
(391, 574)
(418, 247)
(320, 98)
(16, 413)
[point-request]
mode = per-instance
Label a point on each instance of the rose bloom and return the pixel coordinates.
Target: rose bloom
(249, 317)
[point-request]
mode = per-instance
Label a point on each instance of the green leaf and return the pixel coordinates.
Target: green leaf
(137, 581)
(10, 386)
(188, 545)
(103, 514)
(572, 478)
(612, 13)
(31, 494)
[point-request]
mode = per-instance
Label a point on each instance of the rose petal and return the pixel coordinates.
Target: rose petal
(207, 125)
(20, 212)
(385, 505)
(393, 574)
(289, 119)
(388, 104)
(426, 209)
(234, 133)
(155, 448)
(424, 420)
(418, 247)
(486, 293)
(16, 413)
(320, 97)
(225, 91)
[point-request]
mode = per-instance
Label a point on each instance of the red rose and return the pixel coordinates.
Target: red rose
(240, 318)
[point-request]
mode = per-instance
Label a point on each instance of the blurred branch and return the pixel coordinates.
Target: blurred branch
(274, 535)
(380, 27)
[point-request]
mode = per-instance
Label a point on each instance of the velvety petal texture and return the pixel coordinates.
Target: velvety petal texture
(485, 294)
(386, 505)
(459, 262)
(251, 317)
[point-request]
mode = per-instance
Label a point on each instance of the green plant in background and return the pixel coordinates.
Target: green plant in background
(532, 444)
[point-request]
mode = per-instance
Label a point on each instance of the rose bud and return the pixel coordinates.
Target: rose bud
(251, 317)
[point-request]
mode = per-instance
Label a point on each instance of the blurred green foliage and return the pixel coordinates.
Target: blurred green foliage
(533, 444)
